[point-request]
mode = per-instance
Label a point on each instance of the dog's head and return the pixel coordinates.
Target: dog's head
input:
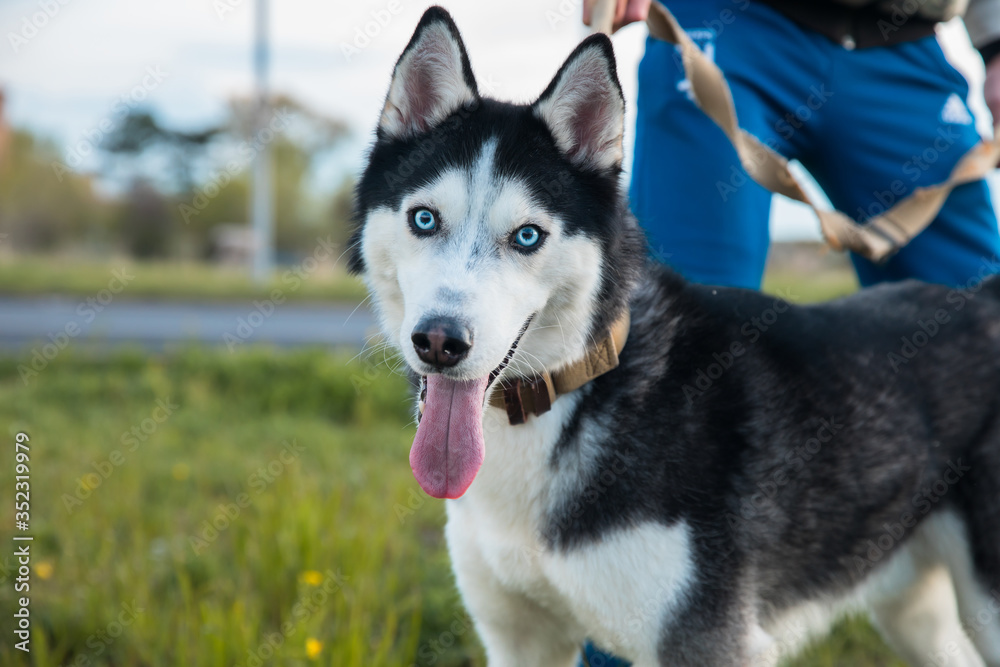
(486, 227)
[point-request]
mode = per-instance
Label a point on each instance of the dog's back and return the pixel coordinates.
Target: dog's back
(836, 453)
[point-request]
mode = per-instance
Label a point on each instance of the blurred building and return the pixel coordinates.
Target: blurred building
(232, 244)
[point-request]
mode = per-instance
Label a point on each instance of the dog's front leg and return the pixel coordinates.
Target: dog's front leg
(715, 632)
(515, 630)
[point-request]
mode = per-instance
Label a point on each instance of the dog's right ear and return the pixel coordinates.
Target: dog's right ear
(432, 79)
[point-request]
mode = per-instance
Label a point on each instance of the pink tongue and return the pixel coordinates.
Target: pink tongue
(448, 450)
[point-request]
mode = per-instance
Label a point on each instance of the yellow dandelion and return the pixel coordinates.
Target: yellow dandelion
(313, 648)
(181, 471)
(44, 569)
(312, 577)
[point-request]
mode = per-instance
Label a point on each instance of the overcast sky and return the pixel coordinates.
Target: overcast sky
(186, 57)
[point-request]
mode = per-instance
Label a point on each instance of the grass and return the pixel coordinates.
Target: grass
(820, 286)
(159, 540)
(114, 529)
(35, 275)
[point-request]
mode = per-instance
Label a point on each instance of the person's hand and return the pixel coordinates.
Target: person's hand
(626, 11)
(991, 88)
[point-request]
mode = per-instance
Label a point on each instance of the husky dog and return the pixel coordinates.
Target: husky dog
(734, 474)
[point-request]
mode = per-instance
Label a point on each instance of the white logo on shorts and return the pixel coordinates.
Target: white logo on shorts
(955, 112)
(704, 39)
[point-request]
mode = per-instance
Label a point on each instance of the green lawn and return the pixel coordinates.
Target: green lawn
(33, 275)
(269, 518)
(820, 286)
(119, 519)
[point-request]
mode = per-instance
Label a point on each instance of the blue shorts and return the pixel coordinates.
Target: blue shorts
(870, 125)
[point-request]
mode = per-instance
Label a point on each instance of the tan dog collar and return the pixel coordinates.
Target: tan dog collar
(534, 395)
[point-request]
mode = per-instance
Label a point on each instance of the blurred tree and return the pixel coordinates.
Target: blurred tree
(140, 133)
(341, 209)
(299, 139)
(177, 185)
(42, 208)
(145, 222)
(301, 125)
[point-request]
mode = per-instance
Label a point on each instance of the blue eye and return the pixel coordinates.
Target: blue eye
(423, 220)
(528, 236)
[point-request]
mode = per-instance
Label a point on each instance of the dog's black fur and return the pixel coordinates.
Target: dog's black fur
(831, 378)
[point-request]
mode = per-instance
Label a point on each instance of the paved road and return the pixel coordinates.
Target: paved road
(26, 322)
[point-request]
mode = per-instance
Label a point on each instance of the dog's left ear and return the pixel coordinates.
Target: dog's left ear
(432, 79)
(584, 107)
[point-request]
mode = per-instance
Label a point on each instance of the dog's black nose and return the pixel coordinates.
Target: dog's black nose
(441, 342)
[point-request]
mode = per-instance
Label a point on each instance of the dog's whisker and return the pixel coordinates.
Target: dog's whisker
(347, 249)
(561, 329)
(367, 349)
(363, 302)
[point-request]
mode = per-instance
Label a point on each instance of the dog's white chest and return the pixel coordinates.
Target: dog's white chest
(501, 513)
(617, 590)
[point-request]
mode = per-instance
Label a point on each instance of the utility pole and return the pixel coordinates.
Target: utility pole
(261, 192)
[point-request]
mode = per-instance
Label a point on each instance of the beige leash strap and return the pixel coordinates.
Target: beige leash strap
(882, 236)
